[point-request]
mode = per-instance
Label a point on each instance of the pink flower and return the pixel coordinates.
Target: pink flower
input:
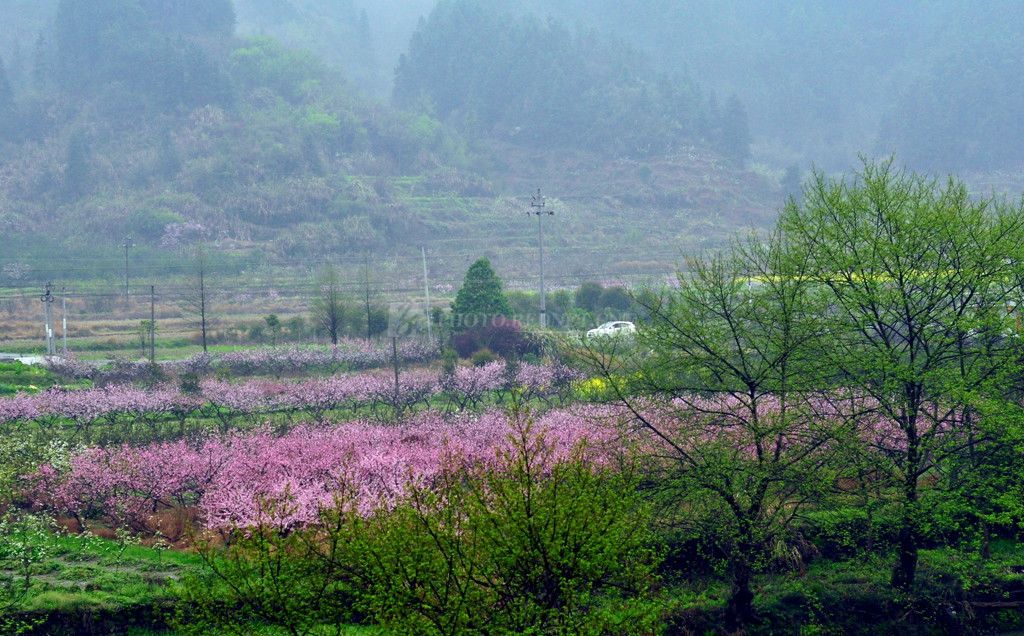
(229, 477)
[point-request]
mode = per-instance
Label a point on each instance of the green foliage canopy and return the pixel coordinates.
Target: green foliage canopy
(480, 298)
(922, 281)
(538, 83)
(155, 52)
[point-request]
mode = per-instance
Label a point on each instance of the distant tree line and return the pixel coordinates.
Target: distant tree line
(539, 83)
(963, 111)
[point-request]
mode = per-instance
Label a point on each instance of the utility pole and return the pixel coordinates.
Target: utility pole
(47, 299)
(426, 292)
(64, 317)
(127, 244)
(152, 324)
(538, 204)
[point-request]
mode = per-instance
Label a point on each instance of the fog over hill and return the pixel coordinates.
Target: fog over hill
(938, 83)
(300, 129)
(935, 82)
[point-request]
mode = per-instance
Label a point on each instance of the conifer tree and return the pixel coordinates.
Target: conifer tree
(481, 297)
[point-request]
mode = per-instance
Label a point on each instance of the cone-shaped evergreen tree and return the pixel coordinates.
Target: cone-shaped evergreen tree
(481, 297)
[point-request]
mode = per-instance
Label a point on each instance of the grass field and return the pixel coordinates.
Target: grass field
(85, 575)
(115, 582)
(16, 377)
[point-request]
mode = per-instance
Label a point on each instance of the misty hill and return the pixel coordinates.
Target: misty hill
(938, 83)
(147, 115)
(540, 84)
(155, 120)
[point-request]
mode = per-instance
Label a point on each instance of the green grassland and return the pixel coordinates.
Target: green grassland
(16, 377)
(85, 584)
(118, 581)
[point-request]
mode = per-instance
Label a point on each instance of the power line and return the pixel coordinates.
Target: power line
(490, 243)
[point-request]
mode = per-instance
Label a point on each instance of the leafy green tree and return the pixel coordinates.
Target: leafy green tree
(268, 575)
(24, 546)
(980, 491)
(919, 279)
(526, 544)
(274, 325)
(480, 299)
(722, 384)
(559, 304)
(264, 63)
(377, 321)
(615, 298)
(588, 296)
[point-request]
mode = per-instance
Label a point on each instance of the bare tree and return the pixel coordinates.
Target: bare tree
(328, 307)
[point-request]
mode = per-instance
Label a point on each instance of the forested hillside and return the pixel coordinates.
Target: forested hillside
(159, 122)
(146, 116)
(821, 82)
(297, 130)
(933, 82)
(539, 83)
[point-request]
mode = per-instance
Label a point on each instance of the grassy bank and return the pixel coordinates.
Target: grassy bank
(93, 585)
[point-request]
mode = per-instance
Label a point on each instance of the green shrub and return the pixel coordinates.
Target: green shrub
(22, 549)
(483, 357)
(449, 360)
(529, 543)
(188, 383)
(267, 575)
(526, 545)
